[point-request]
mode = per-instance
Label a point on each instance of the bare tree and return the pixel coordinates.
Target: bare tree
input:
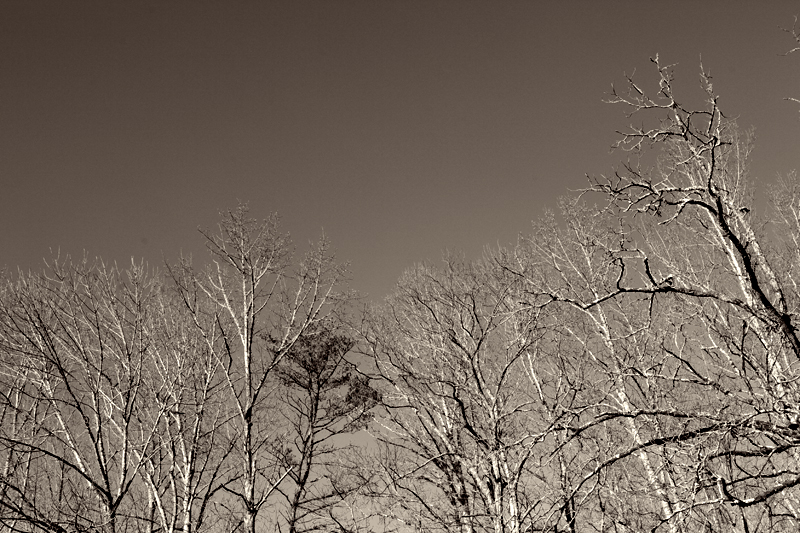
(465, 430)
(261, 307)
(190, 459)
(74, 344)
(684, 303)
(724, 274)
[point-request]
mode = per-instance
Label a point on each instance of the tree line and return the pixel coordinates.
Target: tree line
(629, 365)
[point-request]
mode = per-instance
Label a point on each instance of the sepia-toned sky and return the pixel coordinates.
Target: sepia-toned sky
(399, 128)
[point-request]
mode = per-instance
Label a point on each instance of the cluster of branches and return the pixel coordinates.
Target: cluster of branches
(218, 399)
(631, 365)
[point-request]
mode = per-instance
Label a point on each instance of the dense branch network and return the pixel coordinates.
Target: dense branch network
(633, 364)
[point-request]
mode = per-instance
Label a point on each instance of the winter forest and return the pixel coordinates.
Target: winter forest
(631, 364)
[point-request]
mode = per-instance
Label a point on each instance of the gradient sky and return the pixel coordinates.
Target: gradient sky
(399, 128)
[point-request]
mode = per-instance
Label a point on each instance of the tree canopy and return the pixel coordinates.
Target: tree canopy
(631, 364)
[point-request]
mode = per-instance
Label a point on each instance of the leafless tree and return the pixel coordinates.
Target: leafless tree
(261, 307)
(190, 459)
(684, 302)
(467, 419)
(74, 343)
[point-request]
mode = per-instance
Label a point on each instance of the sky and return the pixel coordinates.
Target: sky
(399, 129)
